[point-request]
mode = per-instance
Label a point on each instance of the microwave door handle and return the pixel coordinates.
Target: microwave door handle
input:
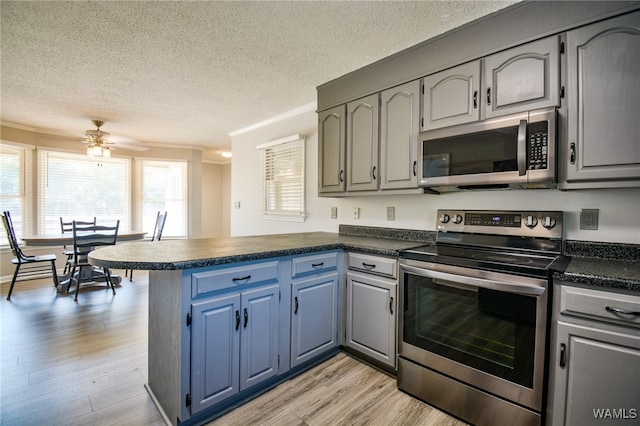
(522, 148)
(525, 289)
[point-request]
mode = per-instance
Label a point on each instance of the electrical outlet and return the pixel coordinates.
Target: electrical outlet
(391, 213)
(589, 219)
(356, 212)
(334, 212)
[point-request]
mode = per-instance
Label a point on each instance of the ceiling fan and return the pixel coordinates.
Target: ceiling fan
(99, 142)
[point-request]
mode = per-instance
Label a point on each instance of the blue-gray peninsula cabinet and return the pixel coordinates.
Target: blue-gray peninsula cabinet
(219, 335)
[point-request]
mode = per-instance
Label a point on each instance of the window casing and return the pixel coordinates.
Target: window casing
(77, 187)
(283, 186)
(162, 186)
(15, 179)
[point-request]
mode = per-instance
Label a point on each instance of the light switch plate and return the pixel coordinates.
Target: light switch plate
(391, 213)
(356, 212)
(334, 212)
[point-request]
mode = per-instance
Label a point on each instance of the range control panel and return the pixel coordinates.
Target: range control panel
(547, 224)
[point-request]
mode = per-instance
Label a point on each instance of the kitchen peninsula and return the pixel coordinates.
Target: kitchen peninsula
(231, 317)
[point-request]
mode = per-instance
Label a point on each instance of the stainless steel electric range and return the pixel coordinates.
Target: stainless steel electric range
(474, 314)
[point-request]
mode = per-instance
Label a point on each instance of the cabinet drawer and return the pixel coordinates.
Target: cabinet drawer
(231, 277)
(614, 307)
(313, 263)
(373, 264)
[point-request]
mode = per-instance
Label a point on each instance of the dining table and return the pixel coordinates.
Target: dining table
(66, 239)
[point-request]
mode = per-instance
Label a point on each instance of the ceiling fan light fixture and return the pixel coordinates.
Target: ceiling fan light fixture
(98, 151)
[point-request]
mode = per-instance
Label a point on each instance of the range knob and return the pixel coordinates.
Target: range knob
(531, 221)
(457, 218)
(548, 222)
(444, 218)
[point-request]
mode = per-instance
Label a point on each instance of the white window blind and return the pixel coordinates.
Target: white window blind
(79, 187)
(162, 186)
(283, 178)
(15, 174)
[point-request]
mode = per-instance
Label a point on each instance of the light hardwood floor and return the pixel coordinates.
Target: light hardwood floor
(85, 363)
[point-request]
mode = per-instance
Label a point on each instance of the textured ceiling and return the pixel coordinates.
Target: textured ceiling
(177, 72)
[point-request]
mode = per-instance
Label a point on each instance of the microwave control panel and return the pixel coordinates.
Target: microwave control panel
(537, 152)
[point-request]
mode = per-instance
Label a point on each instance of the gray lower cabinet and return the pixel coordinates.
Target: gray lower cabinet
(234, 344)
(371, 316)
(603, 90)
(314, 317)
(595, 358)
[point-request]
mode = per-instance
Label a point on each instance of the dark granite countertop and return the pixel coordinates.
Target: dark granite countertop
(609, 265)
(196, 253)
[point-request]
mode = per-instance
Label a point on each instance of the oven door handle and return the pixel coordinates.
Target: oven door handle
(526, 289)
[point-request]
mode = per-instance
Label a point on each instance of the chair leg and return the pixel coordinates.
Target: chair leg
(55, 274)
(107, 274)
(73, 271)
(130, 275)
(13, 280)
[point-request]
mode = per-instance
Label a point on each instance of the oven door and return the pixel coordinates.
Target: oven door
(484, 329)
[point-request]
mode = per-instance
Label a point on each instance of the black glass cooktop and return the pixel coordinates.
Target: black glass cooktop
(501, 260)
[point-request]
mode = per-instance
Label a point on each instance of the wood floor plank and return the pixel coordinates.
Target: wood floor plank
(85, 363)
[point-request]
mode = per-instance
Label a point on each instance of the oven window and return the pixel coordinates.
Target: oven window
(488, 330)
(483, 152)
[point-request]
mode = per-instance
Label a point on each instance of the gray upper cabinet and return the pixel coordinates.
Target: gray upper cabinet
(519, 79)
(362, 144)
(399, 115)
(450, 97)
(603, 62)
(523, 78)
(331, 149)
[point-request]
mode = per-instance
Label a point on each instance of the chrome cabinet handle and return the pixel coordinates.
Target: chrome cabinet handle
(614, 310)
(572, 153)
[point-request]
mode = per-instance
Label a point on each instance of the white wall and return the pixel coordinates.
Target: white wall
(619, 219)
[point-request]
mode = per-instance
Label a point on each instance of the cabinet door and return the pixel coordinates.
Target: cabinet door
(314, 317)
(259, 336)
(331, 149)
(399, 114)
(215, 349)
(523, 78)
(598, 379)
(450, 97)
(603, 62)
(371, 317)
(362, 144)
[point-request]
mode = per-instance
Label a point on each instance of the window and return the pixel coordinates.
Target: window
(14, 183)
(163, 187)
(283, 178)
(75, 186)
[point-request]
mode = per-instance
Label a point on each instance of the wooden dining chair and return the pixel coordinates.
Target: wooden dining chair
(157, 235)
(27, 267)
(87, 238)
(67, 227)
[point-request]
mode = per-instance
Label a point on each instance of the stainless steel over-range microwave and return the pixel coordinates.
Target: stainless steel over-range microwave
(514, 151)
